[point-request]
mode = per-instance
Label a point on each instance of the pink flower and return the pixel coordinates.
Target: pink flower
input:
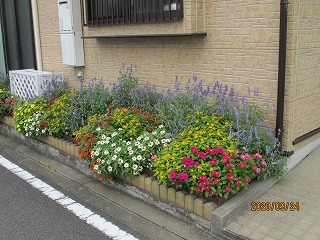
(258, 155)
(212, 193)
(207, 188)
(183, 176)
(216, 173)
(172, 175)
(254, 167)
(202, 155)
(263, 162)
(194, 150)
(213, 161)
(246, 180)
(242, 165)
(202, 178)
(198, 190)
(237, 182)
(245, 157)
(217, 150)
(153, 156)
(202, 184)
(258, 170)
(187, 162)
(229, 165)
(230, 176)
(228, 189)
(197, 164)
(217, 180)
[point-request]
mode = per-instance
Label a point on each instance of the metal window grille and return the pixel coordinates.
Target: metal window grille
(105, 12)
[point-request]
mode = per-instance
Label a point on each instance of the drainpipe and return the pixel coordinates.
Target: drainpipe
(281, 68)
(36, 33)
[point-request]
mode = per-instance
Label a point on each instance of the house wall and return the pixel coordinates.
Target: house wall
(303, 76)
(241, 49)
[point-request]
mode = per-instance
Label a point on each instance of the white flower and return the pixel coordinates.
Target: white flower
(114, 134)
(130, 152)
(139, 138)
(98, 171)
(98, 129)
(120, 161)
(139, 157)
(140, 168)
(113, 145)
(43, 131)
(37, 129)
(137, 143)
(109, 168)
(103, 161)
(163, 141)
(146, 138)
(108, 138)
(27, 134)
(150, 144)
(33, 123)
(98, 160)
(103, 137)
(126, 165)
(106, 152)
(134, 158)
(143, 148)
(135, 167)
(118, 149)
(128, 143)
(154, 133)
(95, 167)
(156, 142)
(114, 157)
(119, 129)
(161, 126)
(129, 148)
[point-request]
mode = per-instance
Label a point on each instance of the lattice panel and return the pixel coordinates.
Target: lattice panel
(28, 83)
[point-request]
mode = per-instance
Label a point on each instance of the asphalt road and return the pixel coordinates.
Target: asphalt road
(26, 213)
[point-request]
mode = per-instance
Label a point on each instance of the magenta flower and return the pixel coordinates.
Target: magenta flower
(246, 180)
(197, 164)
(242, 165)
(217, 150)
(245, 157)
(172, 175)
(153, 156)
(212, 193)
(187, 162)
(183, 176)
(254, 167)
(258, 170)
(202, 184)
(229, 165)
(230, 176)
(207, 188)
(198, 190)
(258, 155)
(217, 180)
(228, 189)
(216, 173)
(263, 162)
(194, 150)
(202, 155)
(237, 182)
(213, 161)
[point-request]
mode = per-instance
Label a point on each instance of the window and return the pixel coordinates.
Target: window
(103, 12)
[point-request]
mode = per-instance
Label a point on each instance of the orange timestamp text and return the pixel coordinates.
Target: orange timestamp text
(274, 206)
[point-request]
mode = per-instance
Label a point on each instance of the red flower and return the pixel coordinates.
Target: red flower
(100, 176)
(150, 128)
(237, 182)
(110, 107)
(228, 189)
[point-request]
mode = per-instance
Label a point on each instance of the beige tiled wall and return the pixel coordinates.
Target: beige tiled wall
(241, 48)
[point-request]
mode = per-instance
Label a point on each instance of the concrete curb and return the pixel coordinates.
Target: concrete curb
(216, 221)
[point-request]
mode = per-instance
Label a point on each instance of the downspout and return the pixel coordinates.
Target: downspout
(36, 32)
(281, 68)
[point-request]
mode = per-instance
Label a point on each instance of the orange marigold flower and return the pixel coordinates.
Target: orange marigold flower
(87, 144)
(85, 138)
(100, 176)
(90, 150)
(93, 140)
(157, 121)
(110, 118)
(145, 118)
(150, 128)
(89, 167)
(91, 135)
(80, 150)
(110, 178)
(105, 124)
(110, 107)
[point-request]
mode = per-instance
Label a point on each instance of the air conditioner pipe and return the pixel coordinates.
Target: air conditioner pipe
(36, 32)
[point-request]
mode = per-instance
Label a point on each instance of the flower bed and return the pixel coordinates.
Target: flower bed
(206, 141)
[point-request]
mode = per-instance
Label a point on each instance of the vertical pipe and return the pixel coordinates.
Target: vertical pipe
(282, 67)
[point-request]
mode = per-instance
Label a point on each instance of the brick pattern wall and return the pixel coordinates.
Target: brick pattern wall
(241, 49)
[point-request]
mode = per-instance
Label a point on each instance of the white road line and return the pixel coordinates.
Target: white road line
(93, 219)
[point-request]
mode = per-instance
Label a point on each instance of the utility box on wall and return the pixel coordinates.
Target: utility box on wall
(70, 32)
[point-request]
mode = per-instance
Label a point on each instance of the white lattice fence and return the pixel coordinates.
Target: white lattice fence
(29, 84)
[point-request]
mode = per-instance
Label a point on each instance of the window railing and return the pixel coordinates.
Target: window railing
(104, 12)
